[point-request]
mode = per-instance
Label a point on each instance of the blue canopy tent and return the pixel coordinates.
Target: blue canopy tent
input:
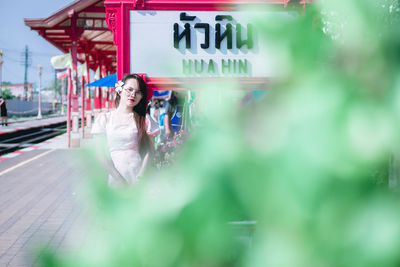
(111, 80)
(161, 94)
(108, 81)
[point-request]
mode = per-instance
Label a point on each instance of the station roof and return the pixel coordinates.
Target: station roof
(95, 39)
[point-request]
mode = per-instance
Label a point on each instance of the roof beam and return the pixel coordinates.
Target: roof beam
(94, 9)
(97, 29)
(101, 52)
(56, 33)
(61, 39)
(92, 18)
(59, 46)
(69, 27)
(102, 43)
(97, 36)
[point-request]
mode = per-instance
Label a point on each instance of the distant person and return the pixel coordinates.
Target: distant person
(3, 111)
(128, 132)
(153, 110)
(152, 119)
(173, 116)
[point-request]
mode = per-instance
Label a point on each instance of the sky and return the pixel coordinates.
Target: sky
(15, 35)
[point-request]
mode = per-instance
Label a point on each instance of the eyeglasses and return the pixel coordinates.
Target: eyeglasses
(131, 91)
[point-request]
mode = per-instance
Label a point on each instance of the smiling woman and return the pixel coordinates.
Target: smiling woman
(128, 132)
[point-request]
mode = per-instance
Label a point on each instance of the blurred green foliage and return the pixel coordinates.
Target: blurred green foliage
(7, 94)
(308, 164)
(56, 86)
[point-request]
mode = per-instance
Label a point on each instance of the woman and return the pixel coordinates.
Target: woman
(128, 132)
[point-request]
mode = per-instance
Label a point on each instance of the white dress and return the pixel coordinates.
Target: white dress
(122, 141)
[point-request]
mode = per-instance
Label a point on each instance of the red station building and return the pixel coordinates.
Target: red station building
(81, 29)
(172, 43)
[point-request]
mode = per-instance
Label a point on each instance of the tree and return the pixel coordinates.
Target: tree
(56, 86)
(305, 163)
(7, 94)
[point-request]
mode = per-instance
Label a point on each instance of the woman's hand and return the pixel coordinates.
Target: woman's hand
(115, 173)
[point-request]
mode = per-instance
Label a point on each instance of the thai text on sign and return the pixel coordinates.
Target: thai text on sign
(199, 43)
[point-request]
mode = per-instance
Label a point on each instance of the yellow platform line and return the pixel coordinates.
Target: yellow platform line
(25, 162)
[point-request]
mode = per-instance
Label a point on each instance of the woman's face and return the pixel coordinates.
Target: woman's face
(131, 94)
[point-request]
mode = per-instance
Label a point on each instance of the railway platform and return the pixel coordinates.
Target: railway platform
(22, 136)
(40, 198)
(17, 126)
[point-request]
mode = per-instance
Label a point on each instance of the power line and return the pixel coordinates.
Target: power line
(27, 58)
(21, 62)
(42, 54)
(12, 74)
(6, 58)
(8, 70)
(11, 50)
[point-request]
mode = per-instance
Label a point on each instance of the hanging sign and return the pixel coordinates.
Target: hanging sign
(199, 43)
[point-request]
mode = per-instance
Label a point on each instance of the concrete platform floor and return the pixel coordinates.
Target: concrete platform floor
(39, 203)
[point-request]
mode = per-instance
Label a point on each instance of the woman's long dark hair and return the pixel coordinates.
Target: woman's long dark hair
(139, 114)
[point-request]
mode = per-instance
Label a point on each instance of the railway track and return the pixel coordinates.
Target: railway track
(23, 139)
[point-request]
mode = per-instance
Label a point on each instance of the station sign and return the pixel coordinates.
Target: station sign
(200, 43)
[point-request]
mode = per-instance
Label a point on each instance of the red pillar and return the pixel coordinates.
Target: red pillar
(69, 89)
(62, 95)
(117, 18)
(75, 33)
(104, 100)
(83, 105)
(97, 96)
(112, 98)
(97, 101)
(88, 104)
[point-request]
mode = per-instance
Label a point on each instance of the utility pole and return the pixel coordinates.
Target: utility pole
(39, 116)
(1, 72)
(26, 62)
